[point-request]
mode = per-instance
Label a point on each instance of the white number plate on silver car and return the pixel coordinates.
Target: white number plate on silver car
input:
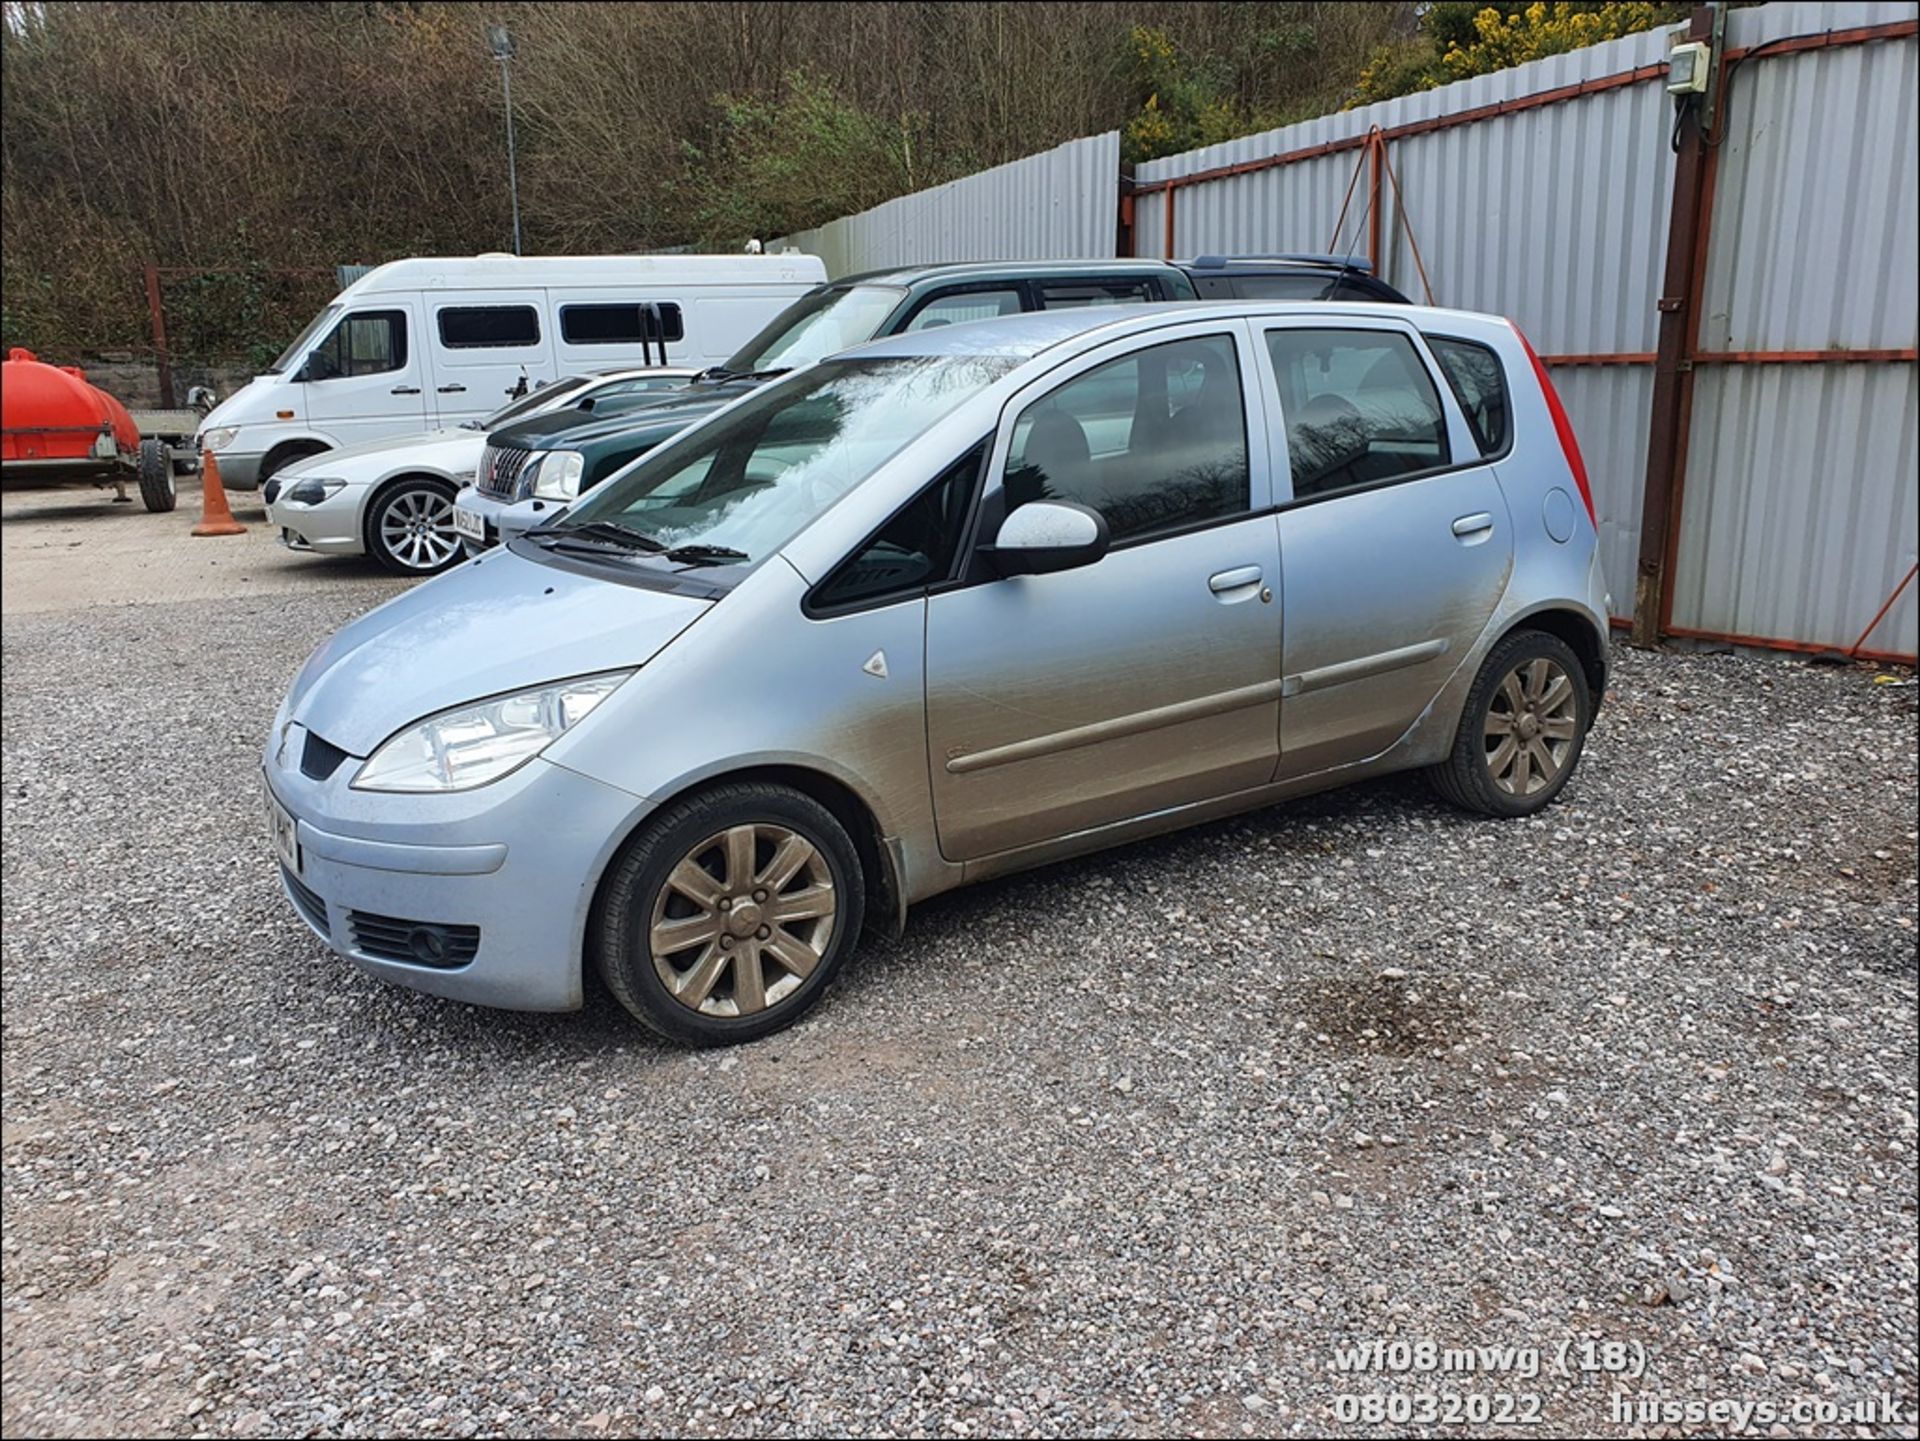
(286, 835)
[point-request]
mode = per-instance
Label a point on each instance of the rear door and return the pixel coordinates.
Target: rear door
(1395, 542)
(487, 346)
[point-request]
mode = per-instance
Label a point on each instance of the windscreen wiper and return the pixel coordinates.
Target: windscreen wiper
(706, 554)
(602, 533)
(717, 372)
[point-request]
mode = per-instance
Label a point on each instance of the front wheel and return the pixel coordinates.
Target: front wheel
(727, 917)
(409, 528)
(1522, 729)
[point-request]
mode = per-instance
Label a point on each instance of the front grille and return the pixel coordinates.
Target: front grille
(320, 759)
(308, 901)
(499, 472)
(418, 943)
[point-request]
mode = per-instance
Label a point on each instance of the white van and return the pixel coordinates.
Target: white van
(426, 343)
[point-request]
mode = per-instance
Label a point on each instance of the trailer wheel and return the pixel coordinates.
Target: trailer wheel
(156, 475)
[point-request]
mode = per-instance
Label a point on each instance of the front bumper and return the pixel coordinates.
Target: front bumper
(502, 521)
(512, 866)
(239, 470)
(333, 527)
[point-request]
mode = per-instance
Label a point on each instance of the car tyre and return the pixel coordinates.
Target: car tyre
(1522, 729)
(155, 470)
(727, 916)
(409, 528)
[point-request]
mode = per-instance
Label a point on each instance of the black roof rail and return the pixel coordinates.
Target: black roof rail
(1338, 262)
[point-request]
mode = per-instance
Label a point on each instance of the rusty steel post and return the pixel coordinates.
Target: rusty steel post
(1376, 155)
(163, 362)
(1687, 229)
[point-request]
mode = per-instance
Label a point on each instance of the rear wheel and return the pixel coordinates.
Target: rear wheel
(727, 917)
(155, 469)
(409, 527)
(1522, 729)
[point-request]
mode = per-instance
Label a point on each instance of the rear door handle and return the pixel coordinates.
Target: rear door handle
(405, 390)
(1473, 524)
(1239, 578)
(450, 389)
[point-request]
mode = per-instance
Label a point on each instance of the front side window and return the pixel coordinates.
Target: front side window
(624, 324)
(740, 487)
(1155, 442)
(367, 342)
(1360, 408)
(815, 326)
(488, 327)
(1475, 376)
(914, 550)
(964, 305)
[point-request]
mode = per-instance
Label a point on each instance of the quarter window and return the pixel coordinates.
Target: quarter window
(1480, 385)
(1155, 442)
(913, 550)
(620, 324)
(488, 327)
(367, 342)
(1360, 408)
(1104, 292)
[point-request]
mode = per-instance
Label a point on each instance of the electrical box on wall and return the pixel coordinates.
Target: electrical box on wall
(1688, 66)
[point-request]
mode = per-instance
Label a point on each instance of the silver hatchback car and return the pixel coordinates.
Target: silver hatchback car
(944, 606)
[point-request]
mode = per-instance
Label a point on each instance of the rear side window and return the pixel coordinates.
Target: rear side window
(1360, 408)
(1480, 385)
(620, 324)
(959, 306)
(1103, 292)
(473, 327)
(1282, 287)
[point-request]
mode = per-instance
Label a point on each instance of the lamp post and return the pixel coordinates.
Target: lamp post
(500, 42)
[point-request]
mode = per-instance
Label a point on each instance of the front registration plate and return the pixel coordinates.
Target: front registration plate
(286, 836)
(469, 526)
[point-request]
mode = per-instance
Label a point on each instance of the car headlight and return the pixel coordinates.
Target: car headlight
(474, 744)
(219, 438)
(312, 492)
(558, 475)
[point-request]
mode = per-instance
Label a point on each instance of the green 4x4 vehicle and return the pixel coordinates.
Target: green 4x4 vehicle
(534, 468)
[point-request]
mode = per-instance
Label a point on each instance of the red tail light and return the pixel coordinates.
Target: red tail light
(1561, 427)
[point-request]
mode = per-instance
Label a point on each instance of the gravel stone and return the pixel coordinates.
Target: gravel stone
(1081, 1155)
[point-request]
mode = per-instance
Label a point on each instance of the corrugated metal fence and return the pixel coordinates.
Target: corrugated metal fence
(1060, 203)
(1543, 193)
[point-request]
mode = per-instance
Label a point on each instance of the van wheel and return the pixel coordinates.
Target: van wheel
(156, 475)
(409, 528)
(286, 455)
(1522, 729)
(726, 918)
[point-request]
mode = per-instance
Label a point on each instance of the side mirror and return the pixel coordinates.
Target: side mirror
(1043, 536)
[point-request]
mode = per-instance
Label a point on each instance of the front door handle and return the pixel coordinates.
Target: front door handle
(1239, 578)
(451, 389)
(1473, 524)
(405, 390)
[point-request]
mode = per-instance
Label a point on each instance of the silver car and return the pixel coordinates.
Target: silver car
(951, 604)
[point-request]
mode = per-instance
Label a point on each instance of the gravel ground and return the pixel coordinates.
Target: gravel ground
(1127, 1146)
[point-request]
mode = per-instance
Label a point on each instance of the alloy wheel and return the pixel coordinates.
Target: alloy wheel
(1531, 725)
(417, 529)
(742, 920)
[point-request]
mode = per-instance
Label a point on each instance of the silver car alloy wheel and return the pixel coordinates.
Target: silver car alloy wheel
(742, 920)
(1532, 721)
(417, 529)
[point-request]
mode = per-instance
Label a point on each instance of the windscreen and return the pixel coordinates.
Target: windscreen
(323, 321)
(816, 326)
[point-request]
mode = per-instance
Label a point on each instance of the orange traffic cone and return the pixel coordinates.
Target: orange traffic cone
(215, 518)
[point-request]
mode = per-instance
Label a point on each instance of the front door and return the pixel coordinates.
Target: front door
(487, 346)
(1395, 542)
(1059, 703)
(366, 378)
